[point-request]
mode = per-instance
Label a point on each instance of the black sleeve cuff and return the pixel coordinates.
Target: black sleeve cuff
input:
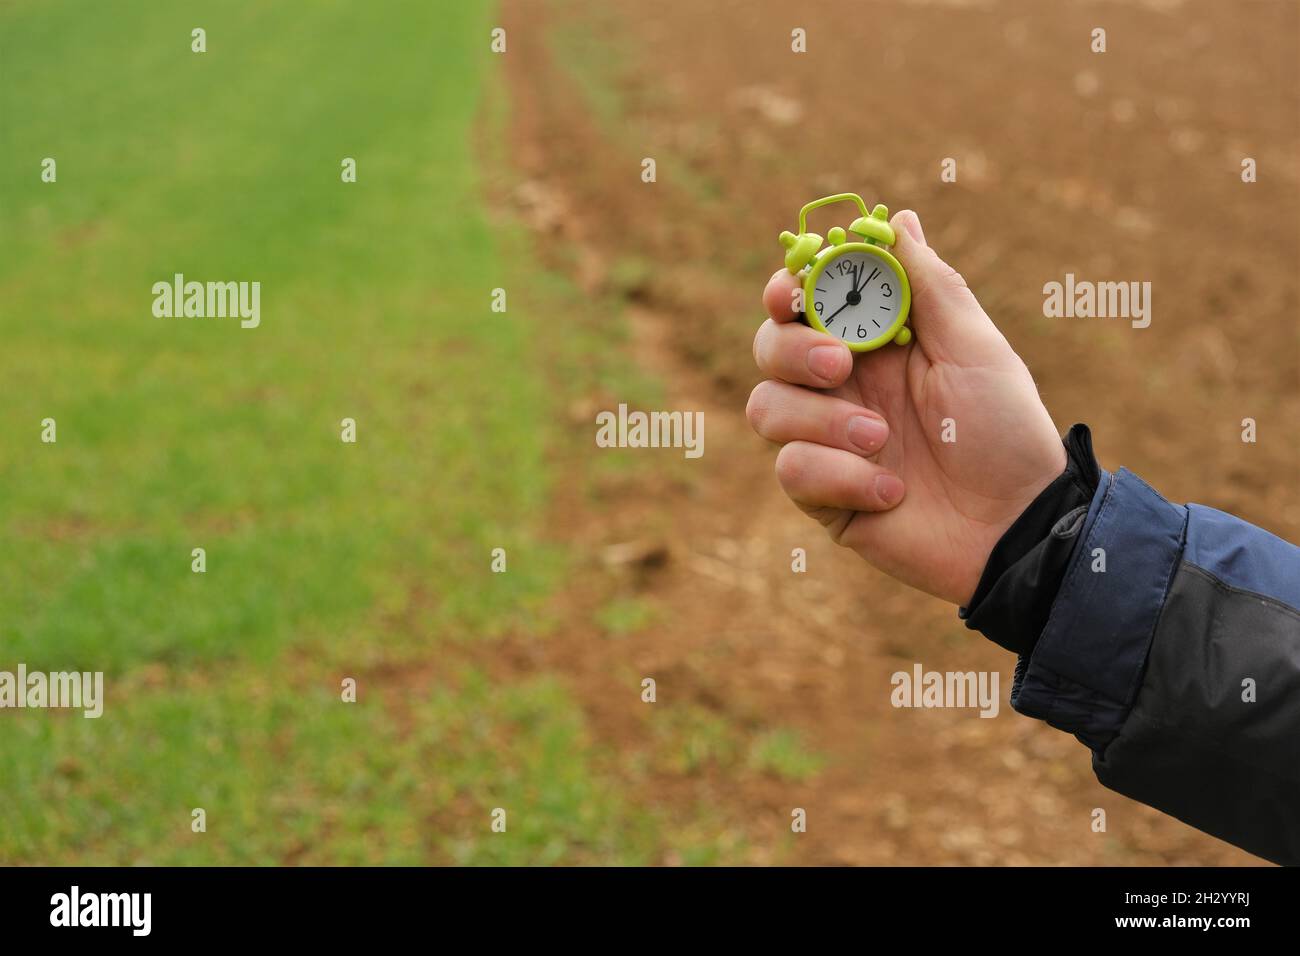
(1025, 568)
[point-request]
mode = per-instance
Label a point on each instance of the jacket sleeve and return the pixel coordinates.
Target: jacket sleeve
(1172, 650)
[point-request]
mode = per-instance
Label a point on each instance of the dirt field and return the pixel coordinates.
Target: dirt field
(1116, 166)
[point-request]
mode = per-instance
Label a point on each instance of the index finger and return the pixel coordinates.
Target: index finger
(779, 296)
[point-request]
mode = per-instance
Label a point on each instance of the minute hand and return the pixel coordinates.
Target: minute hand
(874, 273)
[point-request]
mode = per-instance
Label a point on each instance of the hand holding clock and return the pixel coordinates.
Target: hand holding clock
(863, 434)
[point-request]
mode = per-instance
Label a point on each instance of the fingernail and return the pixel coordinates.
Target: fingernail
(867, 433)
(824, 361)
(912, 224)
(889, 488)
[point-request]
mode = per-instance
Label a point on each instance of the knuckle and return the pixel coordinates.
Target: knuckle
(761, 339)
(953, 279)
(759, 406)
(953, 282)
(791, 466)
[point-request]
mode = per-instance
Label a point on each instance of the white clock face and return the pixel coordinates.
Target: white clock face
(857, 297)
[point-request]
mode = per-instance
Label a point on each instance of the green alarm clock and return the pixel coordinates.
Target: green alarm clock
(855, 291)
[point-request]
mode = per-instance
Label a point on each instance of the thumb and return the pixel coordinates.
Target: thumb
(949, 323)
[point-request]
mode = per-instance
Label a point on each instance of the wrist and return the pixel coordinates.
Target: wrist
(1017, 586)
(964, 596)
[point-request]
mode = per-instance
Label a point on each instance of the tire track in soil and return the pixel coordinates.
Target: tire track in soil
(737, 632)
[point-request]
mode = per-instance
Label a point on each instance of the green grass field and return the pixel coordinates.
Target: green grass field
(324, 559)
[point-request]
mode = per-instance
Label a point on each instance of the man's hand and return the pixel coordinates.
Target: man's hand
(864, 435)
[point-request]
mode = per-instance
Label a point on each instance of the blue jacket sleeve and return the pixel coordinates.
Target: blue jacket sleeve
(1173, 652)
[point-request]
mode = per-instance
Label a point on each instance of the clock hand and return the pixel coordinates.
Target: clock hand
(835, 313)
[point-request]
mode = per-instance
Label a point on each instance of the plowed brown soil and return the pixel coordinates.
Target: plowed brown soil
(1116, 166)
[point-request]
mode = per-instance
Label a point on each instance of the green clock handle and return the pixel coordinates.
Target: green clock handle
(827, 201)
(872, 226)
